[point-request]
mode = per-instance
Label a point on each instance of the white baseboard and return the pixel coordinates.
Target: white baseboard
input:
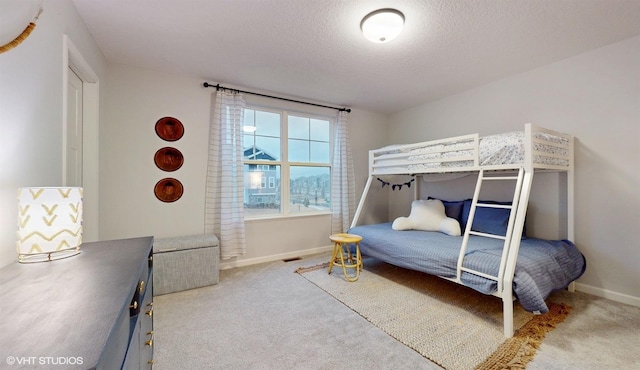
(275, 257)
(609, 294)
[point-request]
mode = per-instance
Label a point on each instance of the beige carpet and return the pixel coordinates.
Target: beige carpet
(451, 325)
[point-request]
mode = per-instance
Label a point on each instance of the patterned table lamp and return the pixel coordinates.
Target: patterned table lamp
(49, 223)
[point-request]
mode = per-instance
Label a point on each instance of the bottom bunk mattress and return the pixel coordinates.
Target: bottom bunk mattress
(543, 266)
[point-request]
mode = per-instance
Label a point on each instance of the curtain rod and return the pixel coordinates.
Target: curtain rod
(218, 87)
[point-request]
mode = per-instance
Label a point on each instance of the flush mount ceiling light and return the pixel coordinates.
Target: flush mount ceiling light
(382, 25)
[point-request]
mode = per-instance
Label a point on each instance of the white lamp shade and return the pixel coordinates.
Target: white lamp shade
(382, 25)
(49, 223)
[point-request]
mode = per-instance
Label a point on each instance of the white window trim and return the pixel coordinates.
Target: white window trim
(285, 165)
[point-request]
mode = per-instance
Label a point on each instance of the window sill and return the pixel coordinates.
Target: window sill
(285, 217)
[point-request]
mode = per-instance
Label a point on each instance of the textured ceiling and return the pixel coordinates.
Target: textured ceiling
(315, 50)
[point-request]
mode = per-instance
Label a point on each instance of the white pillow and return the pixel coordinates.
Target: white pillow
(428, 215)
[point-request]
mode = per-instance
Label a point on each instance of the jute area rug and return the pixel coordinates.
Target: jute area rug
(449, 324)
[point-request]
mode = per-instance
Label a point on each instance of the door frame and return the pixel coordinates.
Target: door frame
(72, 58)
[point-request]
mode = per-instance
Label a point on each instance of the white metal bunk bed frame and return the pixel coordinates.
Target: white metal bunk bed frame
(461, 154)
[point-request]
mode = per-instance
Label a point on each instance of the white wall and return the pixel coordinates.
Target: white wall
(594, 96)
(31, 107)
(136, 99)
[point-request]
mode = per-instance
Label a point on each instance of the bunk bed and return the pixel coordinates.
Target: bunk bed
(501, 263)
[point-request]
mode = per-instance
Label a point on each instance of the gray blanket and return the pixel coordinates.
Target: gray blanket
(543, 266)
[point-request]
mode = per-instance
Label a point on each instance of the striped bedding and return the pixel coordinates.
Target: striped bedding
(543, 266)
(493, 150)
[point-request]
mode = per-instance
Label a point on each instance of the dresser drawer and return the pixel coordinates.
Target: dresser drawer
(140, 351)
(116, 347)
(145, 320)
(132, 360)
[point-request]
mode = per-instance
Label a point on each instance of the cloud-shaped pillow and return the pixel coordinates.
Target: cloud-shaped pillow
(428, 215)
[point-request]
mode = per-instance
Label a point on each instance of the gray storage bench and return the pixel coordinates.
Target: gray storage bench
(185, 262)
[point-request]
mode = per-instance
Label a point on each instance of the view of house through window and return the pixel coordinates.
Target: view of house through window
(287, 163)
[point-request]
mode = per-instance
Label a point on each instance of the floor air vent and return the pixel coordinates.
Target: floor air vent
(291, 259)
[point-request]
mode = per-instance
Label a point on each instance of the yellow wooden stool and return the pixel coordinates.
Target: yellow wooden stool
(342, 252)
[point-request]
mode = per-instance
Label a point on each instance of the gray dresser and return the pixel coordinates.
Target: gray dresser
(90, 311)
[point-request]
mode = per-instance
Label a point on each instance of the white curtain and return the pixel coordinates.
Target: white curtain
(342, 179)
(224, 203)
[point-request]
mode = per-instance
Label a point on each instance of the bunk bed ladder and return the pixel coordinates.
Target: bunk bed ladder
(482, 177)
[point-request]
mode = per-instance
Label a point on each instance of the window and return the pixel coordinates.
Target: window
(287, 163)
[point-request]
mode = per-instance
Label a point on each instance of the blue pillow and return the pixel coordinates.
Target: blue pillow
(488, 220)
(453, 209)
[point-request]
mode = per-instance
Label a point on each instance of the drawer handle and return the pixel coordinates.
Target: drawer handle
(141, 286)
(149, 343)
(150, 304)
(134, 305)
(150, 333)
(150, 362)
(150, 313)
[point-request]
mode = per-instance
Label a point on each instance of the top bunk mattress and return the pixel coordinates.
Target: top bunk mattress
(461, 153)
